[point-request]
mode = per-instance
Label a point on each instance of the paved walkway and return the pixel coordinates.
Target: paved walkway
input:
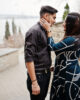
(13, 82)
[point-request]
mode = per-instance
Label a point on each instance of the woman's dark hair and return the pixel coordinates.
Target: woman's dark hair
(47, 9)
(73, 27)
(72, 24)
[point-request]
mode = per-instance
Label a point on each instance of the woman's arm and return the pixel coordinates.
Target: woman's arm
(55, 46)
(67, 42)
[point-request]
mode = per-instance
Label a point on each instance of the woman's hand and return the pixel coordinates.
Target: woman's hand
(46, 26)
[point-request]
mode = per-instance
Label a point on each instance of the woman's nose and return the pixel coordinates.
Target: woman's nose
(63, 24)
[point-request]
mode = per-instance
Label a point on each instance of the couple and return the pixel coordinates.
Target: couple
(39, 43)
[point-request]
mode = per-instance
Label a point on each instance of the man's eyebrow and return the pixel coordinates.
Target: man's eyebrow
(54, 17)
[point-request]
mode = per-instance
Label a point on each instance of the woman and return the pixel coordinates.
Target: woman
(66, 78)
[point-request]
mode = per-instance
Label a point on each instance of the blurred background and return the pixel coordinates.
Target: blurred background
(16, 17)
(25, 13)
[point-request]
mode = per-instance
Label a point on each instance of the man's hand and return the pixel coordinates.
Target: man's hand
(51, 69)
(35, 88)
(32, 74)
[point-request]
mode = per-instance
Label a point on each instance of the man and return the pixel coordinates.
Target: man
(37, 56)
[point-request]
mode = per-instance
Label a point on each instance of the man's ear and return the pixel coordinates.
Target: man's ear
(46, 15)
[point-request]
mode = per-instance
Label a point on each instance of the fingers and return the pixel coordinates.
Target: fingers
(43, 21)
(35, 89)
(51, 69)
(45, 24)
(36, 92)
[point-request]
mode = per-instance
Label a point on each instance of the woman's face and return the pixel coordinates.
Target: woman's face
(64, 25)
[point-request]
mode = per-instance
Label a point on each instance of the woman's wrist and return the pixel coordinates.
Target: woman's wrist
(49, 33)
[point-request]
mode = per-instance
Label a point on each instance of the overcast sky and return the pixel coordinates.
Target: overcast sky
(32, 7)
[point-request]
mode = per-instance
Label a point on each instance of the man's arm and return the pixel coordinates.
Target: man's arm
(29, 51)
(31, 71)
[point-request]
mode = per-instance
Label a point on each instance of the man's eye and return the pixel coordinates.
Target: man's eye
(54, 18)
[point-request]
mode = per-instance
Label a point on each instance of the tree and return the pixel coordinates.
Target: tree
(14, 27)
(7, 32)
(20, 30)
(66, 11)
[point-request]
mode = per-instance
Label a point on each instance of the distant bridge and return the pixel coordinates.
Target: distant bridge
(17, 16)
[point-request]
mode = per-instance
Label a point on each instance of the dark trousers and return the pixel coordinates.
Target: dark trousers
(43, 81)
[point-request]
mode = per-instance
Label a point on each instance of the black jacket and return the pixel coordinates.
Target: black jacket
(36, 48)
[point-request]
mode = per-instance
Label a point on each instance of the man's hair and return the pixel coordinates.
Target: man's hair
(47, 9)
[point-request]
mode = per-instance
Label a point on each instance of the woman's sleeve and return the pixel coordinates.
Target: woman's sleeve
(78, 53)
(60, 45)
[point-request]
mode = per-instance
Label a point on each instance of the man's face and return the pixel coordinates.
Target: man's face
(50, 18)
